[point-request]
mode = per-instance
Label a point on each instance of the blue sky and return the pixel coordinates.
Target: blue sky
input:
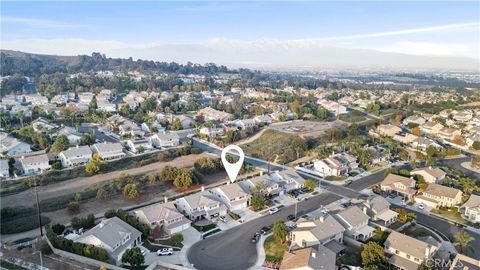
(413, 27)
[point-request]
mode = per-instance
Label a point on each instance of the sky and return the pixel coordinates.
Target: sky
(231, 32)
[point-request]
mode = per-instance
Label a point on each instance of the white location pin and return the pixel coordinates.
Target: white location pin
(232, 168)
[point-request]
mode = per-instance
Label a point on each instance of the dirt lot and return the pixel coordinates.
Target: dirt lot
(27, 198)
(308, 128)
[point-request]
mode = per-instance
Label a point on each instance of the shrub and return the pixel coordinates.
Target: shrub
(176, 239)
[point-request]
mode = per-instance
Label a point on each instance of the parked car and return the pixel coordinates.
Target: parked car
(255, 237)
(165, 252)
(273, 210)
(290, 217)
(223, 219)
(266, 229)
(421, 206)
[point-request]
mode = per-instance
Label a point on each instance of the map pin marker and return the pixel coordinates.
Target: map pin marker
(232, 168)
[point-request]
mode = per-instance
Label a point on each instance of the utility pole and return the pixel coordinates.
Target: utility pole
(38, 210)
(296, 209)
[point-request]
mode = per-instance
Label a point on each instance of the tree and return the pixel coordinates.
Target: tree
(280, 231)
(95, 165)
(131, 191)
(258, 201)
(476, 145)
(176, 124)
(58, 228)
(169, 173)
(60, 144)
(87, 139)
(73, 206)
(92, 106)
(133, 257)
(462, 240)
(416, 131)
(184, 179)
(421, 183)
(176, 239)
(372, 255)
(310, 184)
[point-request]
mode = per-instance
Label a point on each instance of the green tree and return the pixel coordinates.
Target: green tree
(87, 139)
(476, 145)
(176, 239)
(95, 165)
(133, 257)
(462, 240)
(60, 144)
(184, 179)
(92, 106)
(280, 231)
(131, 191)
(169, 173)
(372, 255)
(322, 113)
(176, 124)
(258, 201)
(310, 184)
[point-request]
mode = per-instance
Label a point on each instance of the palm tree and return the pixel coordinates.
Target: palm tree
(462, 240)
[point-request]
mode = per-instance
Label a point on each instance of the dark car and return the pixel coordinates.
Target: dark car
(266, 229)
(290, 217)
(255, 237)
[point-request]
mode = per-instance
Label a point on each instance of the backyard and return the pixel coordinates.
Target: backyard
(274, 249)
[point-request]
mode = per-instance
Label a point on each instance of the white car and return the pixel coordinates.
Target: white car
(421, 206)
(273, 210)
(222, 219)
(165, 252)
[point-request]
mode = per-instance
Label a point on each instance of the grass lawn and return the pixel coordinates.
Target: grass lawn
(453, 214)
(166, 242)
(351, 256)
(205, 227)
(274, 250)
(416, 231)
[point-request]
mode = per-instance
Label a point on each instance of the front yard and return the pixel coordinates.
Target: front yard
(351, 256)
(417, 231)
(274, 249)
(452, 214)
(204, 228)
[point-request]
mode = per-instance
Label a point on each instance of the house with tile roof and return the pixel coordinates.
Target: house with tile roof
(401, 185)
(75, 156)
(309, 259)
(430, 174)
(232, 195)
(318, 231)
(471, 208)
(34, 164)
(436, 195)
(378, 208)
(201, 205)
(355, 222)
(163, 216)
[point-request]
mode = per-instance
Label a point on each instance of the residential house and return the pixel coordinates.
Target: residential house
(232, 195)
(71, 133)
(288, 179)
(211, 114)
(418, 120)
(335, 165)
(263, 119)
(464, 116)
(431, 175)
(423, 143)
(34, 164)
(4, 168)
(436, 195)
(405, 138)
(464, 263)
(318, 231)
(164, 140)
(407, 252)
(246, 123)
(108, 151)
(75, 156)
(378, 209)
(333, 107)
(355, 222)
(139, 145)
(185, 121)
(211, 132)
(471, 208)
(379, 154)
(388, 130)
(201, 205)
(267, 185)
(449, 133)
(114, 235)
(399, 184)
(164, 217)
(309, 259)
(10, 146)
(431, 128)
(43, 125)
(106, 106)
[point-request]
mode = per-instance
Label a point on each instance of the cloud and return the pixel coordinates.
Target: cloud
(469, 25)
(426, 48)
(33, 22)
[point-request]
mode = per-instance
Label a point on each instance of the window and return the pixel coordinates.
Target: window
(396, 251)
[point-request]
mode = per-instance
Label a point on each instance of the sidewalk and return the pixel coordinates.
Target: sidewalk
(190, 237)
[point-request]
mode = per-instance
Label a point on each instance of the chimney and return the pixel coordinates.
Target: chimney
(314, 255)
(322, 218)
(261, 173)
(78, 146)
(165, 199)
(364, 209)
(203, 188)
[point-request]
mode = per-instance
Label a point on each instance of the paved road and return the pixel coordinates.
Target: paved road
(456, 164)
(232, 249)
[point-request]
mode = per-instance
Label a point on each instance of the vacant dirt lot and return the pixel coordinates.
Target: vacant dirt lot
(27, 198)
(307, 128)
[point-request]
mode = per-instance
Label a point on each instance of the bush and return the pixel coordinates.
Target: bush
(19, 219)
(176, 239)
(58, 228)
(83, 222)
(233, 215)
